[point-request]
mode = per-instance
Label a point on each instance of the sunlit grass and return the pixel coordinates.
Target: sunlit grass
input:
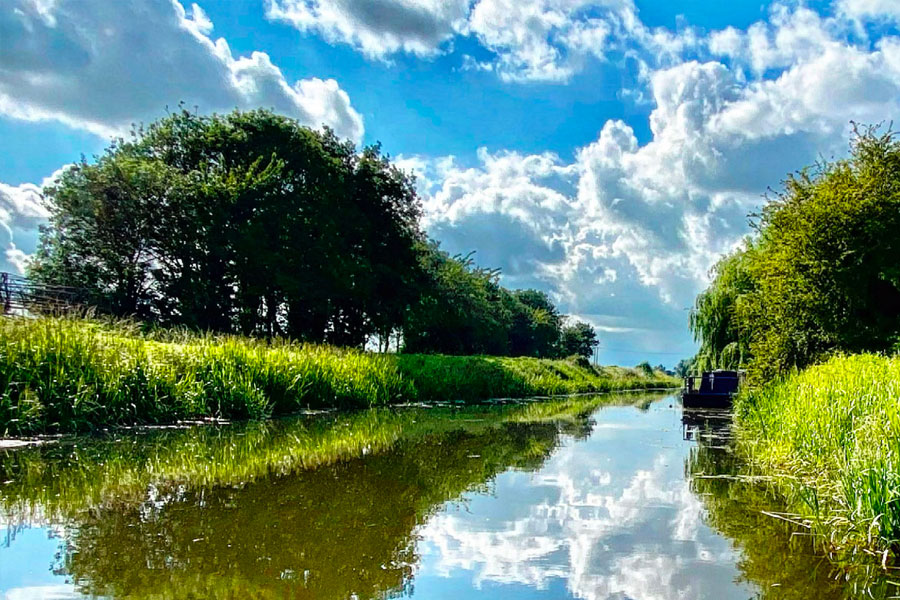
(63, 375)
(832, 435)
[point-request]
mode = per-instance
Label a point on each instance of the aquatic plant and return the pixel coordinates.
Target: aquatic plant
(831, 437)
(66, 375)
(777, 556)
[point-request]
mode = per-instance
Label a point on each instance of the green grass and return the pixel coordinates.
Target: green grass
(67, 375)
(831, 436)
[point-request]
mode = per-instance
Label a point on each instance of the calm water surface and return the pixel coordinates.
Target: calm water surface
(570, 500)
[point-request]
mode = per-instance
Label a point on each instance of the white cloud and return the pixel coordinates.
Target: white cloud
(530, 40)
(22, 212)
(788, 37)
(552, 40)
(659, 214)
(102, 66)
(377, 28)
(888, 10)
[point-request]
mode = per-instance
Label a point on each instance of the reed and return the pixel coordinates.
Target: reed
(831, 436)
(68, 375)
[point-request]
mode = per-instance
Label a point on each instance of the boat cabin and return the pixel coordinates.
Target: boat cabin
(711, 389)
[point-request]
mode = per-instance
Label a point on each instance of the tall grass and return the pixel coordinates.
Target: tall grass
(831, 435)
(65, 375)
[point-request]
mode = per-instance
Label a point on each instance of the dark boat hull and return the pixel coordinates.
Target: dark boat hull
(705, 400)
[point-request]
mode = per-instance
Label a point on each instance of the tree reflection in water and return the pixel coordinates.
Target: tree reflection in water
(345, 527)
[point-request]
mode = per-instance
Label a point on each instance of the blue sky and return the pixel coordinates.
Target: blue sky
(607, 151)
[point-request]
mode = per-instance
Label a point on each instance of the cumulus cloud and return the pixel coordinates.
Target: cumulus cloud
(888, 10)
(529, 40)
(790, 36)
(552, 40)
(22, 212)
(102, 66)
(377, 27)
(625, 234)
(536, 39)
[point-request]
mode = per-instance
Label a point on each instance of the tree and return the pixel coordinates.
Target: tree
(820, 275)
(246, 222)
(645, 368)
(250, 223)
(579, 339)
(462, 308)
(715, 319)
(684, 367)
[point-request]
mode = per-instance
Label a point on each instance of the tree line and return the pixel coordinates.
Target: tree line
(249, 223)
(819, 276)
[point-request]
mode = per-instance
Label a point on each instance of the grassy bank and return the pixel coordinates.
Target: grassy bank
(831, 437)
(61, 375)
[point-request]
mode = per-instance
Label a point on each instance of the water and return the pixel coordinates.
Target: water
(566, 500)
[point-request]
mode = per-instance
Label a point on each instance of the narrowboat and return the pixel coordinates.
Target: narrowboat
(712, 389)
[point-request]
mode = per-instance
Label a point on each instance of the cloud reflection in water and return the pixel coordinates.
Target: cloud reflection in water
(606, 518)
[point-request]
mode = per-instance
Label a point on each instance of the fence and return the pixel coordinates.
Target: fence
(20, 295)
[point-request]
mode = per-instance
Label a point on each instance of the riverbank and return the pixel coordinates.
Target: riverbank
(67, 375)
(830, 438)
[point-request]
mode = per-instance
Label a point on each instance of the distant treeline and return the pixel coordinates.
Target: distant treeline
(820, 276)
(250, 223)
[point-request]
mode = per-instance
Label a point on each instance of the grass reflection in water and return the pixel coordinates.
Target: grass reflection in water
(322, 507)
(779, 558)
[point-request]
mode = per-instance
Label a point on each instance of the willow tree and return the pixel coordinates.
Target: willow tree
(821, 275)
(715, 319)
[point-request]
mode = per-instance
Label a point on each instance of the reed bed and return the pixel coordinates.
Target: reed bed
(69, 375)
(831, 436)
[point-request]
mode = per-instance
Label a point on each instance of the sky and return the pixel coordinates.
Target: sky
(605, 151)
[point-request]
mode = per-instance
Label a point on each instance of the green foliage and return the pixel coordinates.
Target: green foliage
(70, 375)
(578, 339)
(463, 309)
(774, 554)
(245, 222)
(249, 223)
(684, 367)
(820, 275)
(831, 434)
(644, 367)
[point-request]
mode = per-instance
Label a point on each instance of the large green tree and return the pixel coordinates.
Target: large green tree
(821, 275)
(578, 338)
(246, 222)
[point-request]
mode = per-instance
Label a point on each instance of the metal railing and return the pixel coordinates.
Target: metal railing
(21, 295)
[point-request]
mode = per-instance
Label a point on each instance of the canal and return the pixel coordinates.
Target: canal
(623, 497)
